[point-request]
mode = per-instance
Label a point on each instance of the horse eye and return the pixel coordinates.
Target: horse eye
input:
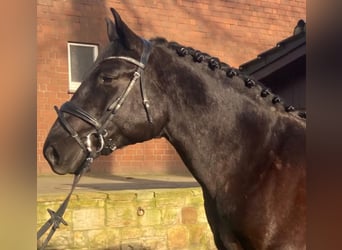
(103, 79)
(106, 79)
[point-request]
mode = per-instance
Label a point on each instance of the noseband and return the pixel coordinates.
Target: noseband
(106, 145)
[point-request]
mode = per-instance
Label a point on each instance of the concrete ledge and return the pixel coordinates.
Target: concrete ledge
(163, 218)
(62, 184)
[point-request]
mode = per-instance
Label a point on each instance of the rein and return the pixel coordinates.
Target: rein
(106, 145)
(57, 217)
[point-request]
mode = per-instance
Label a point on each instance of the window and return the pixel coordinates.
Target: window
(80, 58)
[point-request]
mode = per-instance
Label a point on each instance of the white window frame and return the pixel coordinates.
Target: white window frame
(72, 84)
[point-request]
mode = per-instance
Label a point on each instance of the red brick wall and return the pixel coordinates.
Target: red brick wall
(235, 31)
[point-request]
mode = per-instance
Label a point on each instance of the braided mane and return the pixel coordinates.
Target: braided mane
(215, 64)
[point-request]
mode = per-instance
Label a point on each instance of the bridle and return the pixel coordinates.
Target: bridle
(106, 145)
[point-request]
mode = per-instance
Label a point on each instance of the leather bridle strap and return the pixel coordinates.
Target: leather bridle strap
(74, 110)
(144, 59)
(70, 108)
(57, 217)
(128, 59)
(139, 74)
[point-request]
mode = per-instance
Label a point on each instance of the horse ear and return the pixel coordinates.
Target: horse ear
(111, 32)
(129, 39)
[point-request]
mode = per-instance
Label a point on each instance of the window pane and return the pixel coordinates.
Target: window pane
(81, 58)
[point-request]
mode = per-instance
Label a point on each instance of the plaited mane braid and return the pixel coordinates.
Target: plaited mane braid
(215, 64)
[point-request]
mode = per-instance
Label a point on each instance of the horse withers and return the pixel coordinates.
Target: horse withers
(243, 145)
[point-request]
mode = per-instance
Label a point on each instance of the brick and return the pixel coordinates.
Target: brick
(145, 195)
(113, 238)
(171, 198)
(198, 235)
(170, 215)
(121, 215)
(80, 238)
(177, 237)
(196, 201)
(131, 233)
(121, 196)
(88, 218)
(150, 217)
(158, 231)
(189, 215)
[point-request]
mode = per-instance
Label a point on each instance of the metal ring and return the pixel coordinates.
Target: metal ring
(89, 144)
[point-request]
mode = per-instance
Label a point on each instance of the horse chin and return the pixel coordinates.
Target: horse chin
(60, 171)
(71, 168)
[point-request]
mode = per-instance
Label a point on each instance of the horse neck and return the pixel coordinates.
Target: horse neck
(217, 125)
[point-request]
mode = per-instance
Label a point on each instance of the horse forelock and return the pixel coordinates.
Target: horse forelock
(249, 86)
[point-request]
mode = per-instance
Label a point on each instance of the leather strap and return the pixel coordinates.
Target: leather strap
(125, 58)
(71, 108)
(57, 217)
(68, 128)
(144, 59)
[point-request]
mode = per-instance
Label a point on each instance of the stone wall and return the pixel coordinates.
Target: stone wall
(172, 219)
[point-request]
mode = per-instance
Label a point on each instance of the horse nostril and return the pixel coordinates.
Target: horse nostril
(51, 155)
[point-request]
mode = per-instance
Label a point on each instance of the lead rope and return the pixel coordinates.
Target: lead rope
(57, 217)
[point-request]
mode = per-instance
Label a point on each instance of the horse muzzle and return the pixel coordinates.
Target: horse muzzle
(63, 159)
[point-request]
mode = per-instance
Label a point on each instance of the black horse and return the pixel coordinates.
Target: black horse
(240, 142)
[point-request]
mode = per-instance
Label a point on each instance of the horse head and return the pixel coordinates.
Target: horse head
(114, 106)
